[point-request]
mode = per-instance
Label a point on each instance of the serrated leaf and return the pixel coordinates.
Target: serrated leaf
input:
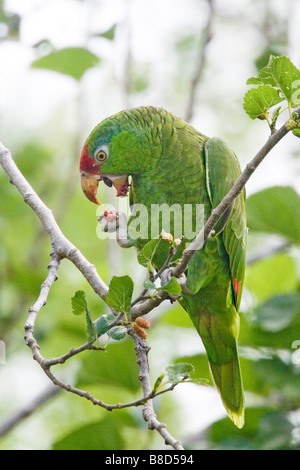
(172, 287)
(280, 73)
(120, 294)
(72, 61)
(180, 371)
(79, 303)
(118, 332)
(146, 254)
(102, 323)
(259, 100)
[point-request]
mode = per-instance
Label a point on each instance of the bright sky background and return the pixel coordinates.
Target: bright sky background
(28, 98)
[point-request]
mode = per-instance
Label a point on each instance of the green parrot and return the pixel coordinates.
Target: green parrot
(170, 162)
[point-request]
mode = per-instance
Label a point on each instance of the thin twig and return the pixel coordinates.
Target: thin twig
(205, 39)
(13, 420)
(268, 252)
(141, 351)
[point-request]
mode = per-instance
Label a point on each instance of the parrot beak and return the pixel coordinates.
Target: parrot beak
(89, 185)
(90, 182)
(91, 175)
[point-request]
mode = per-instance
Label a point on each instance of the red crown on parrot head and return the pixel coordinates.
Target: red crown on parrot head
(91, 176)
(88, 164)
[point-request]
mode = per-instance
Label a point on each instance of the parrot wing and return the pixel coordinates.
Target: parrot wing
(222, 171)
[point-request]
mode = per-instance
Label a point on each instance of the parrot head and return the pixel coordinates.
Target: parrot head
(91, 171)
(119, 146)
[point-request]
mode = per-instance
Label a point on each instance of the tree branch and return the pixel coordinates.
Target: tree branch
(206, 38)
(9, 423)
(141, 351)
(63, 248)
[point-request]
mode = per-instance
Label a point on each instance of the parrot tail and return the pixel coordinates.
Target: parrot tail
(219, 334)
(228, 381)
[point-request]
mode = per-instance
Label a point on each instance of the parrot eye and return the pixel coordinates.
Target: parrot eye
(101, 156)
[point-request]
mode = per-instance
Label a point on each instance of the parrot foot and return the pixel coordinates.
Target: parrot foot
(112, 220)
(109, 220)
(166, 276)
(182, 282)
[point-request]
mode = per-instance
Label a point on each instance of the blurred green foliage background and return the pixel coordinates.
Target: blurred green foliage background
(67, 64)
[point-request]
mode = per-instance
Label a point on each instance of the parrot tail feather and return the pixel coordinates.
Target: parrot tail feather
(227, 379)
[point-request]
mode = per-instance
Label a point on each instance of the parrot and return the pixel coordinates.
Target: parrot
(158, 158)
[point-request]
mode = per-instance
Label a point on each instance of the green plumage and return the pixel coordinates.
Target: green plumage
(172, 163)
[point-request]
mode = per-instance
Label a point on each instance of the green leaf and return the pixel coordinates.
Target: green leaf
(172, 287)
(91, 334)
(109, 34)
(158, 381)
(79, 303)
(275, 210)
(102, 323)
(276, 313)
(120, 294)
(179, 372)
(280, 73)
(146, 254)
(259, 100)
(72, 61)
(118, 332)
(296, 132)
(106, 434)
(149, 284)
(116, 367)
(79, 306)
(271, 276)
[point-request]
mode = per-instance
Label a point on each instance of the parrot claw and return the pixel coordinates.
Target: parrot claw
(114, 221)
(109, 220)
(166, 276)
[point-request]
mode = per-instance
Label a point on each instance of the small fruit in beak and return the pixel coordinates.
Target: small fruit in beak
(120, 182)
